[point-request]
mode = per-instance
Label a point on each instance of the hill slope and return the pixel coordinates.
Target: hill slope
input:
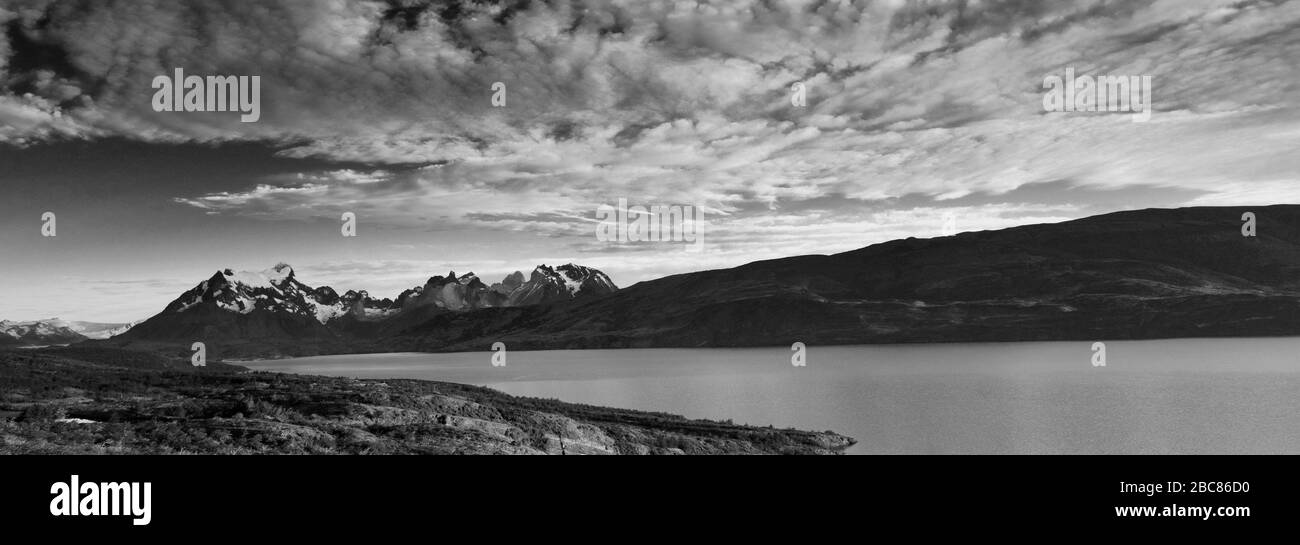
(1128, 275)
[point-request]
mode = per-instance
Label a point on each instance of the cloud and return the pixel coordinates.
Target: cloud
(363, 77)
(931, 104)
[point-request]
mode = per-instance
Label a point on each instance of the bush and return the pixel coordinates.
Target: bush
(43, 413)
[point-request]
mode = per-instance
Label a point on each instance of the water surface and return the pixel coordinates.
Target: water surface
(1187, 396)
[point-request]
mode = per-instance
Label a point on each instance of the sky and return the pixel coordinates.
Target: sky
(913, 112)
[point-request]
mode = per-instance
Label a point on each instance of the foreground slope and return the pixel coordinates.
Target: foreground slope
(95, 400)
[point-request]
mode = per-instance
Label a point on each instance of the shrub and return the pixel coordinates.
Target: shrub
(43, 413)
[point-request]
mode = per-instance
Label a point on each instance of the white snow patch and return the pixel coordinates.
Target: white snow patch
(379, 313)
(253, 279)
(573, 285)
(325, 313)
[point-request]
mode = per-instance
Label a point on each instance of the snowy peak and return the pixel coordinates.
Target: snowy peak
(112, 330)
(548, 285)
(279, 274)
(585, 280)
(278, 290)
(98, 330)
(277, 278)
(38, 333)
(544, 285)
(55, 331)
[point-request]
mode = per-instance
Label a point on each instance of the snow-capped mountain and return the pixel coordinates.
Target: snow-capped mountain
(548, 285)
(37, 333)
(55, 331)
(278, 290)
(98, 330)
(272, 312)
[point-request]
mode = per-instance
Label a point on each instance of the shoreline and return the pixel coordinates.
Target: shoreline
(141, 407)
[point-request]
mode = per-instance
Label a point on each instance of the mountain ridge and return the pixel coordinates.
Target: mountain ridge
(1154, 273)
(274, 307)
(55, 331)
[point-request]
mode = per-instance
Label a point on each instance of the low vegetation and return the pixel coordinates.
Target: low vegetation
(106, 401)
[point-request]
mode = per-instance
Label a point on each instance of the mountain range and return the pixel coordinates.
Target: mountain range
(272, 307)
(56, 332)
(1142, 274)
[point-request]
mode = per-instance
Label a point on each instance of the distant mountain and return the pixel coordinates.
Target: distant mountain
(546, 285)
(563, 283)
(99, 330)
(1129, 275)
(37, 333)
(55, 332)
(274, 308)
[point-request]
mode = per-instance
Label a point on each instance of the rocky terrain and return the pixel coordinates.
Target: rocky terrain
(84, 400)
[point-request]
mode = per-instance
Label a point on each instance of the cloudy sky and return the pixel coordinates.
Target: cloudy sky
(915, 110)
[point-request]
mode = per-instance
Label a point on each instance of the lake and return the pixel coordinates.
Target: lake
(1187, 396)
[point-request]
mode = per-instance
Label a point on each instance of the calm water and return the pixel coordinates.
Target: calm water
(1169, 396)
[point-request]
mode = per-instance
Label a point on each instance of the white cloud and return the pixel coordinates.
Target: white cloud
(660, 102)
